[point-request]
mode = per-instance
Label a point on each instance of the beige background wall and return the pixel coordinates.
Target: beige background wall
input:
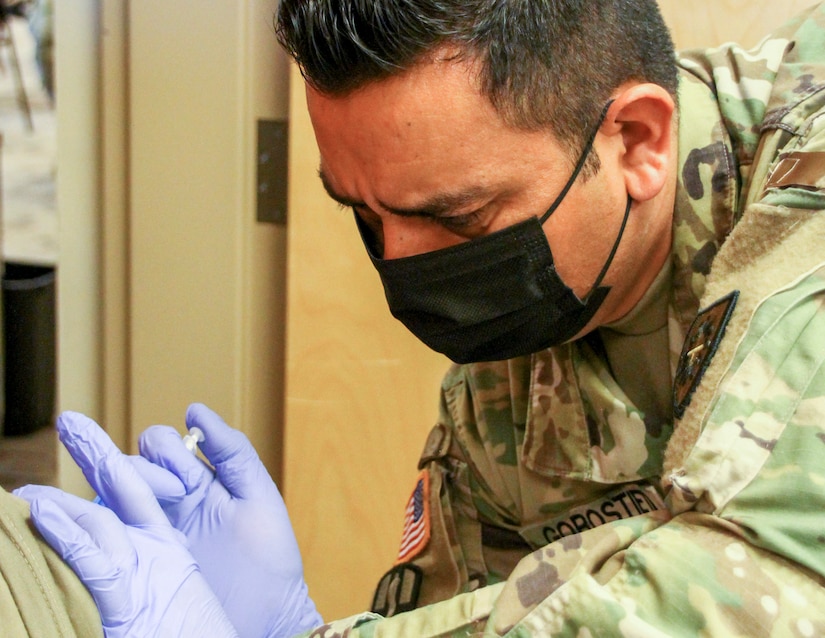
(699, 23)
(361, 392)
(205, 280)
(169, 290)
(78, 191)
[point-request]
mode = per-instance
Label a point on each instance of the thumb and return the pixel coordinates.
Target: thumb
(235, 460)
(161, 446)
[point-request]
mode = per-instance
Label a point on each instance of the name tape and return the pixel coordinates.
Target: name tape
(628, 501)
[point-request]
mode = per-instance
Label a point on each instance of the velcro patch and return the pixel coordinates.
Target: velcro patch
(398, 590)
(416, 533)
(805, 170)
(700, 345)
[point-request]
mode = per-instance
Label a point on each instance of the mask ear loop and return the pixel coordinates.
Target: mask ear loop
(612, 251)
(579, 165)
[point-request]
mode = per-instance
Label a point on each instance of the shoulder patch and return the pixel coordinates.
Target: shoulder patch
(700, 345)
(801, 169)
(398, 590)
(416, 532)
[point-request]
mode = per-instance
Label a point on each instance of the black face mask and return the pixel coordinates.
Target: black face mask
(495, 297)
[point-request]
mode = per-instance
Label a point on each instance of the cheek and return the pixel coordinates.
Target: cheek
(578, 262)
(575, 248)
(581, 241)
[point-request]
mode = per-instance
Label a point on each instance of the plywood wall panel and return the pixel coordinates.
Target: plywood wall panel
(361, 394)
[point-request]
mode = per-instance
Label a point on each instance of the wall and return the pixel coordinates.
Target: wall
(711, 22)
(77, 80)
(205, 280)
(361, 392)
(169, 291)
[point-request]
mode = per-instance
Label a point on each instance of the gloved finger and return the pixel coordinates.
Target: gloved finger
(163, 446)
(127, 494)
(108, 470)
(72, 525)
(165, 485)
(87, 444)
(235, 460)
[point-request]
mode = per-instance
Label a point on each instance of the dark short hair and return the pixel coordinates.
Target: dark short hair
(542, 63)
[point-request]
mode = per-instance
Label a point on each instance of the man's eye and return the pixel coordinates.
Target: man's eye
(460, 222)
(366, 215)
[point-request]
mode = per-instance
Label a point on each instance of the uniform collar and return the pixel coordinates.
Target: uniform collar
(706, 193)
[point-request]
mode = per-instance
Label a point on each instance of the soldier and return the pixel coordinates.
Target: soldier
(624, 254)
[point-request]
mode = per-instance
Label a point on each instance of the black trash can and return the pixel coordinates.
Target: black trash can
(29, 347)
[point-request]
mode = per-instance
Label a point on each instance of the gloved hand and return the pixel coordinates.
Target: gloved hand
(236, 524)
(135, 565)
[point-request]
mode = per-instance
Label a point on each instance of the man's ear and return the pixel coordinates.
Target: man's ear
(642, 119)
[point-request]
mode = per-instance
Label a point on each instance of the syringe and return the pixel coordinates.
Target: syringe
(192, 439)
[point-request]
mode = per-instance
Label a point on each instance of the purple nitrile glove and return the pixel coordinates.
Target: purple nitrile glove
(236, 525)
(134, 563)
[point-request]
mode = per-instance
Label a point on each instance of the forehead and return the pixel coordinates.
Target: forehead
(417, 102)
(421, 129)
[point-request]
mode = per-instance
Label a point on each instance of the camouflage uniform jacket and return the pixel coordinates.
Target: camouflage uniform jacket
(539, 485)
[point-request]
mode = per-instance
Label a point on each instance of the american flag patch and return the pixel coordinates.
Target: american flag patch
(416, 520)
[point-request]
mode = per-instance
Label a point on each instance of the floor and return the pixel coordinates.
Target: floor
(29, 225)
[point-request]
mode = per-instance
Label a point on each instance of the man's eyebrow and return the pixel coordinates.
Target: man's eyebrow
(436, 206)
(338, 197)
